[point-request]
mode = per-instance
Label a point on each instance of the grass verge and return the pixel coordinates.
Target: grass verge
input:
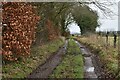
(39, 55)
(107, 53)
(71, 65)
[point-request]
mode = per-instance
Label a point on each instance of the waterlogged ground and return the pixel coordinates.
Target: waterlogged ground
(72, 65)
(106, 52)
(43, 71)
(73, 60)
(89, 69)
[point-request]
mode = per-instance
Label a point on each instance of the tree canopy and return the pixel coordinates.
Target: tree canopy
(62, 14)
(85, 18)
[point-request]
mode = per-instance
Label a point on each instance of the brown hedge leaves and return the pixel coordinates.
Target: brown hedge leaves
(53, 32)
(18, 33)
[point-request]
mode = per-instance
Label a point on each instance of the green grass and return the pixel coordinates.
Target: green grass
(22, 68)
(71, 65)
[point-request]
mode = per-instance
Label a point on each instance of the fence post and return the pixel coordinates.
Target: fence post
(115, 39)
(107, 38)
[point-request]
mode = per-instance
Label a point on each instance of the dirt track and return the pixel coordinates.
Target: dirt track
(46, 69)
(93, 68)
(89, 68)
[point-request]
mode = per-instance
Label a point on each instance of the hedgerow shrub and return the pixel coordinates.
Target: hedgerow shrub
(19, 23)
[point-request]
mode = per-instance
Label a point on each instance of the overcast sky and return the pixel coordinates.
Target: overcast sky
(107, 24)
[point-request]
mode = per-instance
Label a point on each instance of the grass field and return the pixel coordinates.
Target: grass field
(39, 54)
(72, 63)
(107, 53)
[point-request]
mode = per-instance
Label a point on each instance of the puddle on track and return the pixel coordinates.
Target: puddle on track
(89, 69)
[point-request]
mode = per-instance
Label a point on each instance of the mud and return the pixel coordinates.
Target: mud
(43, 71)
(89, 69)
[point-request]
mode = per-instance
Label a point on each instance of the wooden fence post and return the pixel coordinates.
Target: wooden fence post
(115, 39)
(107, 38)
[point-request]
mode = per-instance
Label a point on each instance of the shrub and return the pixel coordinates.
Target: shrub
(18, 33)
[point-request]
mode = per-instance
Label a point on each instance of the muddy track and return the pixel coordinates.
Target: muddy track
(93, 67)
(89, 69)
(43, 71)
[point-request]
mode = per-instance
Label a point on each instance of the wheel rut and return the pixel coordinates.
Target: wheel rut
(89, 68)
(43, 71)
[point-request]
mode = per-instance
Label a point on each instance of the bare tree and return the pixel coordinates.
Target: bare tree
(102, 5)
